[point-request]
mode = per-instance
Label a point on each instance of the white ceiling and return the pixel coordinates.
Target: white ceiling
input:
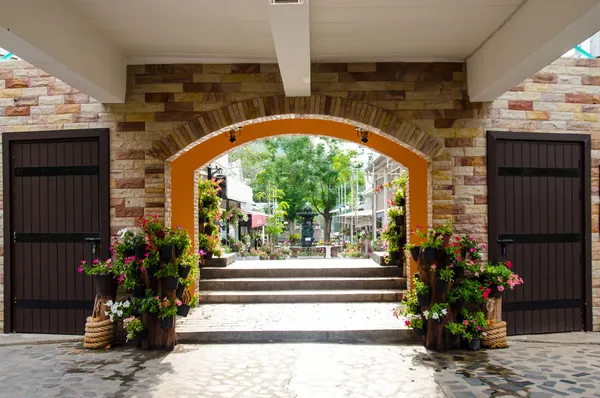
(340, 30)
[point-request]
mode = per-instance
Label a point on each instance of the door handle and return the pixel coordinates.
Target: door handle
(503, 243)
(94, 242)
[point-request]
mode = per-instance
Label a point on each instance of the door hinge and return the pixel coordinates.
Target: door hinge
(14, 236)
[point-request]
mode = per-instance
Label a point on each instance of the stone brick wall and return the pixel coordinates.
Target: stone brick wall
(564, 97)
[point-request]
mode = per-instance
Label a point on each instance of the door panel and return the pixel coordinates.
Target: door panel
(54, 186)
(536, 189)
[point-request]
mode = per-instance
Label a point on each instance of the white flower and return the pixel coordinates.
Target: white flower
(120, 313)
(126, 304)
(435, 315)
(426, 314)
(122, 232)
(106, 313)
(109, 303)
(444, 311)
(111, 318)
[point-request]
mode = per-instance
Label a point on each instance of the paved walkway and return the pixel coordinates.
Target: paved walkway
(300, 371)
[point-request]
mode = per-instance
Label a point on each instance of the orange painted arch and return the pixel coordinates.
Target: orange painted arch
(183, 167)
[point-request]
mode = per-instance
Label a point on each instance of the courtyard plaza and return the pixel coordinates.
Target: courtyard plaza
(300, 370)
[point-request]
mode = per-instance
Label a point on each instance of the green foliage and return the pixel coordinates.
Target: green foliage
(415, 323)
(436, 312)
(194, 301)
(168, 270)
(446, 274)
(167, 308)
(457, 329)
(180, 239)
(132, 326)
(410, 304)
(430, 239)
(127, 240)
(446, 229)
(97, 267)
(306, 169)
(392, 236)
(420, 287)
(468, 290)
(295, 238)
(474, 323)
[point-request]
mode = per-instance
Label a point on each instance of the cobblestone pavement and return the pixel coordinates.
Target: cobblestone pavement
(298, 370)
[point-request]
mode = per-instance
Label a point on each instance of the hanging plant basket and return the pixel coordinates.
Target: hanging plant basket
(394, 258)
(166, 252)
(184, 271)
(457, 305)
(180, 291)
(430, 254)
(459, 272)
(414, 252)
(140, 252)
(442, 285)
(129, 252)
(423, 299)
(105, 285)
(183, 310)
(168, 322)
(179, 251)
(171, 282)
(399, 220)
(139, 290)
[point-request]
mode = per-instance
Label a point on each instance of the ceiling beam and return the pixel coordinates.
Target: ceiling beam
(290, 25)
(538, 33)
(50, 35)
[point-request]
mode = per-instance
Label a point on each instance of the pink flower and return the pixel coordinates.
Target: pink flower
(479, 328)
(156, 298)
(483, 246)
(471, 250)
(407, 322)
(165, 304)
(143, 269)
(83, 262)
(95, 261)
(201, 252)
(80, 269)
(500, 288)
(433, 266)
(466, 323)
(178, 303)
(121, 279)
(482, 268)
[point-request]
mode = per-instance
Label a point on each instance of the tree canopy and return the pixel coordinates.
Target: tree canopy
(305, 169)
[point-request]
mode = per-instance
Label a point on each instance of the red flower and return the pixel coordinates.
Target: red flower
(508, 264)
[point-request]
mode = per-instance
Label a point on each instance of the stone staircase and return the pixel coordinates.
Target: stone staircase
(297, 300)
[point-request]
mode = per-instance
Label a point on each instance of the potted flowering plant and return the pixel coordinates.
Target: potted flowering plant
(445, 231)
(166, 313)
(430, 244)
(152, 226)
(170, 275)
(135, 329)
(103, 275)
(118, 310)
(417, 324)
(498, 277)
(436, 312)
(422, 291)
(475, 324)
(444, 277)
(413, 250)
(454, 331)
(468, 291)
(184, 309)
(130, 242)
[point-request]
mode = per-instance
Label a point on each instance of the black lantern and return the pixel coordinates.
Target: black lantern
(363, 135)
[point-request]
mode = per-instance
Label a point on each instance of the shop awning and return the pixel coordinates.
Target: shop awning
(256, 219)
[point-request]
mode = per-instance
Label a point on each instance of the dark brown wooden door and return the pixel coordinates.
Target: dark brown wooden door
(538, 221)
(58, 210)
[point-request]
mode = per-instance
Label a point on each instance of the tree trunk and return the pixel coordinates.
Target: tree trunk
(291, 226)
(327, 234)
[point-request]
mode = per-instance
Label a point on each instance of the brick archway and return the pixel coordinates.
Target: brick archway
(339, 109)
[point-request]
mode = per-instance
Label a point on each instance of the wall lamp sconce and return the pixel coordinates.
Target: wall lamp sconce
(234, 134)
(363, 135)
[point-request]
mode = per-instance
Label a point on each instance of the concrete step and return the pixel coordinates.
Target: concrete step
(294, 322)
(301, 296)
(316, 283)
(234, 271)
